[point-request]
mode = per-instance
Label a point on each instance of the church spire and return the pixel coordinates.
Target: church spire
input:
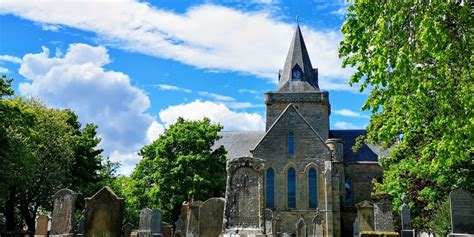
(298, 74)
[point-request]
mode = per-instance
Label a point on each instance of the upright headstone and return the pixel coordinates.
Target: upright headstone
(210, 217)
(462, 212)
(184, 217)
(127, 230)
(244, 209)
(167, 230)
(268, 222)
(62, 224)
(150, 223)
(301, 227)
(278, 225)
(103, 214)
(407, 231)
(355, 227)
(178, 226)
(42, 226)
(81, 225)
(193, 219)
(365, 214)
(383, 218)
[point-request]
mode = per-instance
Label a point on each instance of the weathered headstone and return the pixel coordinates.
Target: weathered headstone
(42, 226)
(178, 226)
(462, 212)
(268, 222)
(301, 227)
(134, 233)
(63, 213)
(150, 223)
(278, 225)
(318, 223)
(244, 209)
(210, 217)
(193, 219)
(355, 227)
(127, 230)
(383, 218)
(406, 231)
(80, 227)
(103, 214)
(365, 214)
(184, 218)
(167, 230)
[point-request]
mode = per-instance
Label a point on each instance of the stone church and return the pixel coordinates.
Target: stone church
(311, 178)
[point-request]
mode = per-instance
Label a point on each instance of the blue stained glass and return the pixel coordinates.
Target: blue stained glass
(291, 185)
(270, 203)
(291, 144)
(313, 188)
(349, 195)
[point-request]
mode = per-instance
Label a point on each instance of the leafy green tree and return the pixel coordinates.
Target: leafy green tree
(178, 166)
(417, 57)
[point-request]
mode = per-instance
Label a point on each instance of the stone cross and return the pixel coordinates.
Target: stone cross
(103, 214)
(63, 213)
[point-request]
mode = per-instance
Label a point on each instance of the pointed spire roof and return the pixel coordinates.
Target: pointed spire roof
(298, 74)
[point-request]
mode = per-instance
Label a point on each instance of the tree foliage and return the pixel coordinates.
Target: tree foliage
(178, 166)
(417, 57)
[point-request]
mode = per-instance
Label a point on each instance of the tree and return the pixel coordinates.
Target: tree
(417, 57)
(178, 166)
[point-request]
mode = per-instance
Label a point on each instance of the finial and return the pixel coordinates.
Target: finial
(297, 20)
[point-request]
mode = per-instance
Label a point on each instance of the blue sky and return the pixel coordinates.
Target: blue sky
(134, 67)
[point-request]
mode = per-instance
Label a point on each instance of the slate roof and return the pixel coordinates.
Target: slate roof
(367, 153)
(298, 55)
(239, 144)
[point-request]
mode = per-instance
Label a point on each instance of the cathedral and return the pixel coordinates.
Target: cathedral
(311, 179)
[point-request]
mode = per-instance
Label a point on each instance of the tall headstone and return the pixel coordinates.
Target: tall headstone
(103, 214)
(365, 214)
(178, 226)
(184, 217)
(355, 227)
(81, 225)
(193, 219)
(150, 223)
(268, 222)
(62, 223)
(301, 227)
(42, 226)
(406, 231)
(244, 208)
(210, 217)
(462, 212)
(383, 218)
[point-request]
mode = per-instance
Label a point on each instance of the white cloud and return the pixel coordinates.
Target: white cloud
(4, 70)
(50, 27)
(347, 125)
(243, 105)
(78, 81)
(154, 131)
(215, 96)
(217, 112)
(350, 113)
(241, 91)
(205, 36)
(165, 87)
(9, 58)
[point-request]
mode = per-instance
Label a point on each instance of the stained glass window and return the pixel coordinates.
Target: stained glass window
(291, 188)
(270, 192)
(313, 188)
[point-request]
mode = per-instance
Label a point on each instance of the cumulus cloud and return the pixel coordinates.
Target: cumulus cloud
(347, 125)
(350, 113)
(217, 112)
(205, 36)
(78, 81)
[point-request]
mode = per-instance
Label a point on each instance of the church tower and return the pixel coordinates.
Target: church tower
(298, 84)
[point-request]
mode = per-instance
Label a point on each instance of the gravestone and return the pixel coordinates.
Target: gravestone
(301, 227)
(63, 213)
(150, 223)
(127, 230)
(365, 214)
(355, 227)
(178, 226)
(193, 219)
(42, 226)
(134, 233)
(268, 222)
(383, 218)
(278, 225)
(80, 227)
(407, 231)
(210, 217)
(167, 230)
(184, 217)
(318, 223)
(103, 214)
(244, 209)
(462, 212)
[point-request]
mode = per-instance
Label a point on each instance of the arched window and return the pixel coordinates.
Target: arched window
(349, 192)
(291, 144)
(313, 188)
(291, 188)
(270, 191)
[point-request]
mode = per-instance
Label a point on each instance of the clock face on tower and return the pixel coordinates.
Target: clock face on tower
(296, 74)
